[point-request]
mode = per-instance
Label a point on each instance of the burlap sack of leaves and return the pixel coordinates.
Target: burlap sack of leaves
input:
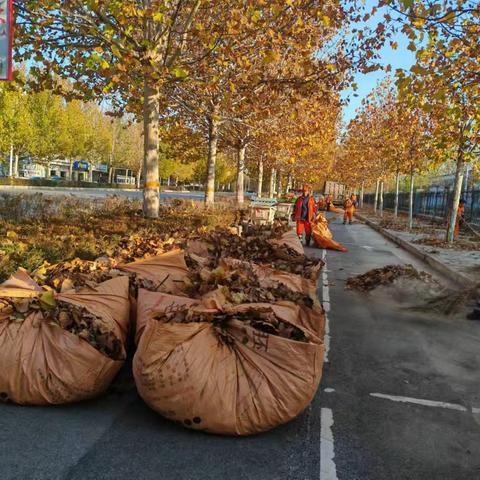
(289, 247)
(282, 254)
(236, 282)
(232, 371)
(60, 348)
(165, 273)
(323, 237)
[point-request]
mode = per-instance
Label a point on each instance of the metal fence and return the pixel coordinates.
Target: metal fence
(432, 204)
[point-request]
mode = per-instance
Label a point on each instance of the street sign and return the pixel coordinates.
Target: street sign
(80, 166)
(101, 168)
(6, 36)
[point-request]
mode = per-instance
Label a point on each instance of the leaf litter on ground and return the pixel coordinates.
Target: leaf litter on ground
(263, 320)
(417, 291)
(385, 276)
(241, 284)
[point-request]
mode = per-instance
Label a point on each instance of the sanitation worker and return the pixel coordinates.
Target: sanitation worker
(349, 207)
(305, 214)
(321, 205)
(460, 218)
(354, 199)
(328, 202)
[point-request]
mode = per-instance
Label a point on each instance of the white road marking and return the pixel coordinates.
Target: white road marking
(329, 390)
(475, 410)
(326, 305)
(328, 469)
(421, 401)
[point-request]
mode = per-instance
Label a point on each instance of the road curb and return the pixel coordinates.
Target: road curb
(430, 260)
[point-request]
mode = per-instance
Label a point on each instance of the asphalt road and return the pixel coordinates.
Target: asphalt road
(375, 347)
(96, 192)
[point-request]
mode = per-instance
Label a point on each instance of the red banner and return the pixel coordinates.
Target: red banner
(6, 37)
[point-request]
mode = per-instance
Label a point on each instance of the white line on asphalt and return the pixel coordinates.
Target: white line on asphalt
(475, 410)
(420, 401)
(328, 469)
(329, 390)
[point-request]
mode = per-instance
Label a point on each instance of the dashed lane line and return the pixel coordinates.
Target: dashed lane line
(328, 469)
(426, 403)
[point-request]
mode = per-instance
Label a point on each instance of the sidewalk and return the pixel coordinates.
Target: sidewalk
(460, 261)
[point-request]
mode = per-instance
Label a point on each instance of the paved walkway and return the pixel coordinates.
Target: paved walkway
(466, 262)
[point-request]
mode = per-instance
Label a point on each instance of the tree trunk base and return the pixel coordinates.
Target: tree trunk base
(151, 202)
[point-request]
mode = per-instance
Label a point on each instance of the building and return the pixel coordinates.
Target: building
(81, 170)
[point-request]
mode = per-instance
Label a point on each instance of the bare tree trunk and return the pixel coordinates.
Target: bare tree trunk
(110, 175)
(380, 200)
(466, 179)
(397, 192)
(15, 170)
(377, 188)
(410, 199)
(151, 190)
(457, 192)
(48, 169)
(289, 184)
(362, 193)
(271, 190)
(11, 161)
(70, 170)
(260, 178)
(212, 156)
(240, 193)
(278, 175)
(139, 178)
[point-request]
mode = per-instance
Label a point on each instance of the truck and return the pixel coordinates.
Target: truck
(335, 189)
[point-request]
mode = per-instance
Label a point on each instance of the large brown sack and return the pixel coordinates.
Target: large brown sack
(269, 276)
(323, 237)
(289, 247)
(237, 381)
(168, 270)
(41, 363)
(310, 318)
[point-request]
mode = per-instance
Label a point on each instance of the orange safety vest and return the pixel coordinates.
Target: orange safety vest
(310, 209)
(348, 205)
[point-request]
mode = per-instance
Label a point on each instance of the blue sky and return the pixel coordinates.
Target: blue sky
(399, 58)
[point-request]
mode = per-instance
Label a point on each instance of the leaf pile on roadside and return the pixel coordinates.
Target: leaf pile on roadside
(384, 276)
(73, 274)
(220, 243)
(459, 244)
(261, 320)
(241, 285)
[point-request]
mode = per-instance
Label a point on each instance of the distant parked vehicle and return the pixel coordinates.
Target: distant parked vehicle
(56, 178)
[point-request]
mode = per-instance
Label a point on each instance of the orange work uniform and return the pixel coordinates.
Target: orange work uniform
(304, 215)
(321, 205)
(349, 207)
(458, 221)
(328, 202)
